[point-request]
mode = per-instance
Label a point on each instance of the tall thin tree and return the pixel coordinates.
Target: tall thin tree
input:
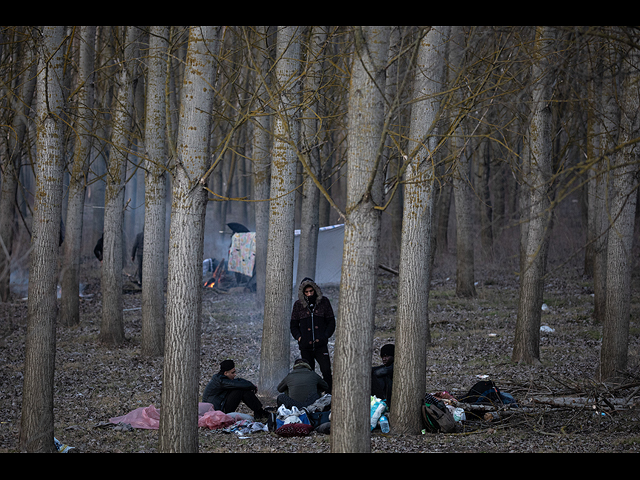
(275, 352)
(155, 194)
(21, 104)
(181, 377)
(350, 431)
(36, 428)
(69, 276)
(615, 335)
(526, 344)
(112, 328)
(310, 140)
(412, 321)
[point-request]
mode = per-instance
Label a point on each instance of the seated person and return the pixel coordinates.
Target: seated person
(301, 387)
(225, 392)
(382, 376)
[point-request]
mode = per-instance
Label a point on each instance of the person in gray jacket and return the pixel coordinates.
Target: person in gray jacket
(225, 391)
(301, 387)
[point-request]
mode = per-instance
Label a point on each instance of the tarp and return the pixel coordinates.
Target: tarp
(242, 253)
(329, 259)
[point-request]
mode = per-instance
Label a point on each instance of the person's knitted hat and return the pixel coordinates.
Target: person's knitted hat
(226, 366)
(387, 350)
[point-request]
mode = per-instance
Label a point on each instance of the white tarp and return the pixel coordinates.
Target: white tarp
(329, 259)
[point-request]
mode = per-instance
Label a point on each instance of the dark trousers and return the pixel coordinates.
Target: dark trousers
(241, 395)
(321, 355)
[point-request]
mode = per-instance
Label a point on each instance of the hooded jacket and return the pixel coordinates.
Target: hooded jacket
(301, 383)
(313, 324)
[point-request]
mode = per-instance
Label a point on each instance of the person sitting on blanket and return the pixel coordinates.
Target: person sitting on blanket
(301, 387)
(225, 391)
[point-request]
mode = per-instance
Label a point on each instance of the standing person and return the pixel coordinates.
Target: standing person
(136, 256)
(301, 387)
(312, 324)
(225, 392)
(97, 250)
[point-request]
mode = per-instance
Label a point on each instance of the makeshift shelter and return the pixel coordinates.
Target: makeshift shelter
(242, 257)
(329, 258)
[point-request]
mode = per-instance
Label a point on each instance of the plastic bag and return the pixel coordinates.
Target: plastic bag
(214, 419)
(288, 416)
(143, 417)
(378, 407)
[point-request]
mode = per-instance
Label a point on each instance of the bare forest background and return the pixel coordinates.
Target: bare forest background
(516, 144)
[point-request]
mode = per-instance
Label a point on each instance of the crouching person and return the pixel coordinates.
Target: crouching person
(301, 387)
(225, 391)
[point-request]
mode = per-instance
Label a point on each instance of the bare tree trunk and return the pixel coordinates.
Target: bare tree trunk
(36, 428)
(526, 347)
(309, 225)
(181, 377)
(593, 143)
(155, 195)
(610, 132)
(274, 357)
(462, 186)
(350, 429)
(261, 160)
(615, 335)
(11, 165)
(70, 283)
(112, 329)
(412, 322)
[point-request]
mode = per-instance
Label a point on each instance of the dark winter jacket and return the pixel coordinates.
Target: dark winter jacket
(219, 387)
(301, 383)
(313, 324)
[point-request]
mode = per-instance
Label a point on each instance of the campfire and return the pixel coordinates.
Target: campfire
(218, 275)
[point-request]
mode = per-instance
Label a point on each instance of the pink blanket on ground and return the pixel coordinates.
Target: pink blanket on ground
(149, 417)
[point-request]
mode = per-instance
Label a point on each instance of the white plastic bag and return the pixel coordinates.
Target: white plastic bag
(378, 407)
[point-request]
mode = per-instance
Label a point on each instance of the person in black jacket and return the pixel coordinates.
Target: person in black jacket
(225, 392)
(312, 324)
(382, 376)
(136, 256)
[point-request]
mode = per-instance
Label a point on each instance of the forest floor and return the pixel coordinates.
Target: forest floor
(470, 338)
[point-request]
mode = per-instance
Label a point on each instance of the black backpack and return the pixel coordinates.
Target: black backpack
(436, 417)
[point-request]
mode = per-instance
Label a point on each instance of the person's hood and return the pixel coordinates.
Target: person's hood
(303, 285)
(301, 365)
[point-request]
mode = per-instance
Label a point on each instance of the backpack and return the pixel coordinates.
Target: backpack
(436, 417)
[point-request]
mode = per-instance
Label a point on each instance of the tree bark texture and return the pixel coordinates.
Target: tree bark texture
(309, 223)
(262, 160)
(69, 275)
(275, 353)
(615, 335)
(350, 430)
(462, 184)
(112, 329)
(36, 429)
(179, 413)
(153, 313)
(527, 335)
(412, 321)
(11, 159)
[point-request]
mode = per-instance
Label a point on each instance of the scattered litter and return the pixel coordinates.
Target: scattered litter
(545, 307)
(546, 329)
(61, 447)
(493, 335)
(482, 377)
